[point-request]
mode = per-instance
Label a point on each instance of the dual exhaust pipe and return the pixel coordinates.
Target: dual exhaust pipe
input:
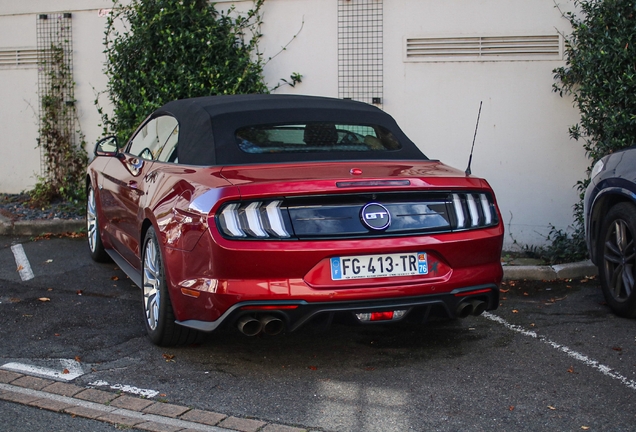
(472, 307)
(268, 324)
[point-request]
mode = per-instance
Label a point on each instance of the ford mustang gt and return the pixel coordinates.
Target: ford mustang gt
(270, 212)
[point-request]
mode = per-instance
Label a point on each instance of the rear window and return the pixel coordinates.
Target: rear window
(315, 138)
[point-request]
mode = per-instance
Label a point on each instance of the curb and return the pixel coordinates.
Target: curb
(560, 271)
(39, 227)
(61, 226)
(123, 410)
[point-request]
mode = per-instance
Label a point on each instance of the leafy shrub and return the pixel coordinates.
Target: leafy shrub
(600, 74)
(161, 50)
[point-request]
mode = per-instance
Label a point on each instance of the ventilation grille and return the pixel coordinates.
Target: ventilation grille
(12, 58)
(493, 48)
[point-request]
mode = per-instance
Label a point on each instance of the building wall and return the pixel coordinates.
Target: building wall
(522, 145)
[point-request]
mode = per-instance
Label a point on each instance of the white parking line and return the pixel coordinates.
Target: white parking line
(605, 370)
(21, 260)
(126, 389)
(68, 371)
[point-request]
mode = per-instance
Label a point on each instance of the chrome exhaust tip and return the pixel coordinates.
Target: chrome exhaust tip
(249, 326)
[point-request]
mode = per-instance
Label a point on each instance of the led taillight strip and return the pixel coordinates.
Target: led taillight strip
(473, 210)
(253, 220)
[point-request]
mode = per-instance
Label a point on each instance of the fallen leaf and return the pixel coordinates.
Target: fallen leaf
(168, 356)
(571, 369)
(65, 371)
(617, 349)
(49, 289)
(585, 427)
(163, 395)
(511, 408)
(551, 407)
(313, 367)
(14, 300)
(78, 359)
(526, 294)
(20, 268)
(531, 324)
(515, 311)
(48, 261)
(503, 290)
(368, 369)
(57, 334)
(115, 278)
(79, 292)
(44, 299)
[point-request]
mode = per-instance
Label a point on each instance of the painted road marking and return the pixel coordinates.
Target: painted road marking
(605, 370)
(126, 389)
(69, 370)
(22, 262)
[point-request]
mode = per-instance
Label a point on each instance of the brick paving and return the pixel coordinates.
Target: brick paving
(157, 427)
(204, 417)
(131, 403)
(49, 404)
(63, 389)
(241, 424)
(6, 376)
(123, 410)
(33, 383)
(166, 409)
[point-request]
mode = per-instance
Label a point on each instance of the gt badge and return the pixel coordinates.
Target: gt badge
(375, 216)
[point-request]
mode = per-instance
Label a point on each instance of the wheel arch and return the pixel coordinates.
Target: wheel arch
(601, 205)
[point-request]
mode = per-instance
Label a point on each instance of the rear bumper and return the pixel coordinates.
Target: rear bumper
(296, 313)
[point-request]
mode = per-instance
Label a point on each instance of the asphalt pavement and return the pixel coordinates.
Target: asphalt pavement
(551, 357)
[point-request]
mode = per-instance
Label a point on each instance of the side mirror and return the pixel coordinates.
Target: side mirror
(107, 146)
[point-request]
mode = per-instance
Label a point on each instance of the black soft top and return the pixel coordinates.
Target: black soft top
(207, 126)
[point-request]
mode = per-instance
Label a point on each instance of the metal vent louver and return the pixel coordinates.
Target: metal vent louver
(11, 58)
(479, 48)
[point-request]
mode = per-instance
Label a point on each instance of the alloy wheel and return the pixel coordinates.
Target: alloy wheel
(151, 283)
(618, 260)
(91, 220)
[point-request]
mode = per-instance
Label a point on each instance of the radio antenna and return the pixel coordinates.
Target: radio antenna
(470, 159)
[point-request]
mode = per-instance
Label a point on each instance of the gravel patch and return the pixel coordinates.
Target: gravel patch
(18, 207)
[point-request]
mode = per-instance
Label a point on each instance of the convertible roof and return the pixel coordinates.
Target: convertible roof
(207, 126)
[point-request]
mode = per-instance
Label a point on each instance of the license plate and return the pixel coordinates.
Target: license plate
(383, 265)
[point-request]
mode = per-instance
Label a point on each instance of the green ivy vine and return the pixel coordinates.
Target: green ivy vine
(65, 160)
(161, 50)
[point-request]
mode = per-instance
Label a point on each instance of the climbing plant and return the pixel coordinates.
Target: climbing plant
(65, 161)
(161, 50)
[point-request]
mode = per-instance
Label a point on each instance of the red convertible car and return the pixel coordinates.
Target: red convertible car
(268, 212)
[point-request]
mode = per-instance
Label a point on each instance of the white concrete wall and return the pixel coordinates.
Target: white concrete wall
(522, 146)
(19, 105)
(20, 160)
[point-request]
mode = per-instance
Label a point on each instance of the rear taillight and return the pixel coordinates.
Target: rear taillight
(473, 210)
(256, 219)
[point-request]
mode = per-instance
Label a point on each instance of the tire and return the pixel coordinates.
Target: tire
(617, 259)
(95, 245)
(157, 308)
